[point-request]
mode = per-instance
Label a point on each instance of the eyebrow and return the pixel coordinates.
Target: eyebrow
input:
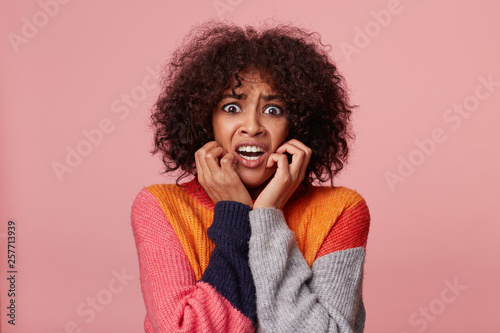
(243, 96)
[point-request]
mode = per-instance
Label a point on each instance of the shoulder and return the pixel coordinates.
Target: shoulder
(322, 211)
(147, 218)
(162, 195)
(348, 202)
(330, 199)
(151, 211)
(345, 207)
(155, 199)
(188, 194)
(352, 225)
(339, 193)
(164, 191)
(156, 206)
(149, 196)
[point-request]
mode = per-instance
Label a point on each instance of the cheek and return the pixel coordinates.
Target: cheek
(217, 128)
(222, 134)
(281, 131)
(219, 138)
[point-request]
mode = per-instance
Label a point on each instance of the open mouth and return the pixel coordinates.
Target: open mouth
(250, 153)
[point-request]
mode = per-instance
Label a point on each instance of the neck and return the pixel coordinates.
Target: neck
(255, 191)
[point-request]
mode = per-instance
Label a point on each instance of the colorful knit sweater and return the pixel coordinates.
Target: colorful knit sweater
(228, 268)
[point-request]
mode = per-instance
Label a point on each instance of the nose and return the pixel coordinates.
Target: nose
(251, 124)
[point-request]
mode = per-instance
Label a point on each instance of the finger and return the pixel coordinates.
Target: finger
(212, 158)
(272, 159)
(200, 154)
(199, 169)
(280, 160)
(283, 170)
(228, 164)
(298, 144)
(228, 161)
(214, 153)
(301, 155)
(209, 145)
(293, 143)
(298, 157)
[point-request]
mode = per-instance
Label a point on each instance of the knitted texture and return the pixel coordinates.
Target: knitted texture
(293, 297)
(196, 275)
(175, 299)
(351, 230)
(312, 217)
(190, 221)
(230, 230)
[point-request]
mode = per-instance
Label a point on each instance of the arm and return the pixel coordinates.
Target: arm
(293, 297)
(174, 301)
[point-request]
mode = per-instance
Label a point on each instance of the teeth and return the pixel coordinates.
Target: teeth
(250, 149)
(250, 158)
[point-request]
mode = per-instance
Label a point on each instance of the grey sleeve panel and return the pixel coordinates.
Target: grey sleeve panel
(291, 296)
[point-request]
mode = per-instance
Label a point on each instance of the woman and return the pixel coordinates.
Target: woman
(249, 244)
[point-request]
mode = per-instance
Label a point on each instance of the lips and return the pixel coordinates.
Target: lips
(250, 153)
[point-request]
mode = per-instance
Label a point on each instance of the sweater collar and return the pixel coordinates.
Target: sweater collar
(195, 189)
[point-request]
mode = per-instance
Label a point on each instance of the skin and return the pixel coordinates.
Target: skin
(255, 116)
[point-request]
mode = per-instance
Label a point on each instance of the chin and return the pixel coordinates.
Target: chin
(253, 180)
(252, 184)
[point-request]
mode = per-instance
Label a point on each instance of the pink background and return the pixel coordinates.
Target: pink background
(408, 63)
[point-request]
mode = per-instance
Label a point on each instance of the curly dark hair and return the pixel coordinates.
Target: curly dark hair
(302, 73)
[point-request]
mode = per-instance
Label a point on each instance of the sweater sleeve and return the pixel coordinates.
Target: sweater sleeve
(175, 301)
(293, 297)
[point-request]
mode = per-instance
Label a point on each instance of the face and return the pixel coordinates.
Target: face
(251, 125)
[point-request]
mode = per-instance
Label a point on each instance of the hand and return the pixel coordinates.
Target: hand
(287, 176)
(220, 180)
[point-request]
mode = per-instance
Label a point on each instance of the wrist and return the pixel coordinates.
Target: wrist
(230, 214)
(258, 205)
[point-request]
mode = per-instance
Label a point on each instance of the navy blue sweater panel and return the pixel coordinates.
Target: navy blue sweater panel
(228, 270)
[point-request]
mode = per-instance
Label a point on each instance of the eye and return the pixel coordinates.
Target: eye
(231, 108)
(273, 110)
